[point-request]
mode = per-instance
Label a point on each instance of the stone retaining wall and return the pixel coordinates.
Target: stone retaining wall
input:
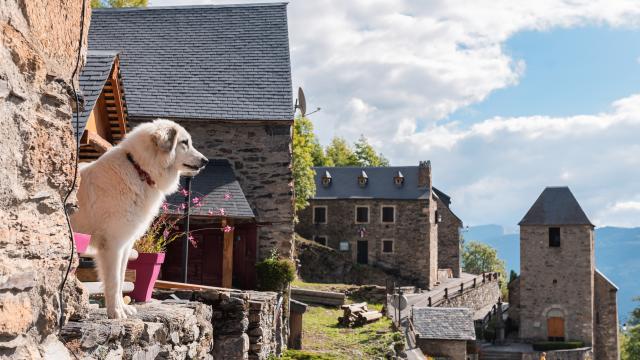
(38, 51)
(167, 330)
(246, 324)
(485, 294)
(575, 354)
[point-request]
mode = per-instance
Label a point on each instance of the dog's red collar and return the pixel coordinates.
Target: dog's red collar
(144, 176)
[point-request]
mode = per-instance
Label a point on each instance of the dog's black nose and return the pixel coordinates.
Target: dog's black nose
(203, 161)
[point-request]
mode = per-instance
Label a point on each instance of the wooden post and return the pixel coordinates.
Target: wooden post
(474, 282)
(227, 255)
(446, 293)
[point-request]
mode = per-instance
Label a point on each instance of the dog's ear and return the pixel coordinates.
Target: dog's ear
(165, 138)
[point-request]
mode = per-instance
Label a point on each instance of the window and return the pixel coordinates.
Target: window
(362, 214)
(388, 214)
(344, 245)
(319, 214)
(387, 246)
(554, 237)
(322, 240)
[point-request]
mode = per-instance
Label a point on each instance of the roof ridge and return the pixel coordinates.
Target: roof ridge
(196, 6)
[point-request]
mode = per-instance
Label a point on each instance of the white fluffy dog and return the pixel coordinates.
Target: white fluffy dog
(120, 194)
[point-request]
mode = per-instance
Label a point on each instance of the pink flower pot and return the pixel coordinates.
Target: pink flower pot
(82, 242)
(147, 267)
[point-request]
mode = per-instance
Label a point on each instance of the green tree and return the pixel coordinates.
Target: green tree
(478, 258)
(630, 344)
(366, 154)
(302, 164)
(319, 156)
(118, 3)
(340, 153)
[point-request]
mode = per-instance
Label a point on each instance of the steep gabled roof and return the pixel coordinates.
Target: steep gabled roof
(218, 188)
(219, 62)
(380, 185)
(444, 323)
(556, 206)
(92, 79)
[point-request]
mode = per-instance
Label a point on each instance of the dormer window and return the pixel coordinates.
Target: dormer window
(363, 179)
(398, 179)
(326, 179)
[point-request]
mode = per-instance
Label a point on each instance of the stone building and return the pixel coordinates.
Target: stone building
(443, 332)
(222, 72)
(561, 295)
(389, 217)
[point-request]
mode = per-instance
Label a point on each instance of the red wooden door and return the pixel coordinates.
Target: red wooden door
(244, 256)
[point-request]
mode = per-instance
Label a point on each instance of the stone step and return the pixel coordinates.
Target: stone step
(500, 355)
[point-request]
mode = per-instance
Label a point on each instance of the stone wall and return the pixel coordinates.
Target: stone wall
(261, 158)
(450, 349)
(38, 50)
(165, 330)
(318, 263)
(606, 319)
(477, 298)
(246, 324)
(449, 240)
(414, 234)
(575, 354)
(514, 301)
(548, 274)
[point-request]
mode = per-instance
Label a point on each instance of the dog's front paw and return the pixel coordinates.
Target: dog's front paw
(116, 313)
(129, 310)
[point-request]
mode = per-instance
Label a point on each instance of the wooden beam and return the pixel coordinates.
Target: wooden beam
(101, 145)
(227, 255)
(117, 96)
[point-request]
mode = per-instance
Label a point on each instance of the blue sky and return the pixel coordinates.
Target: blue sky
(504, 97)
(568, 71)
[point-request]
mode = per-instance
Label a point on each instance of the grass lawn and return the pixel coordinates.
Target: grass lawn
(323, 339)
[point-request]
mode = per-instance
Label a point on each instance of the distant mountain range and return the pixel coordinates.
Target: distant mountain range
(617, 256)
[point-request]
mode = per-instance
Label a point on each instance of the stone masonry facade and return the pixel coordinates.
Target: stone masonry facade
(547, 285)
(449, 240)
(412, 256)
(260, 154)
(38, 50)
(606, 319)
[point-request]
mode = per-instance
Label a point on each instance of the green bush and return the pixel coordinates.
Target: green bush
(275, 274)
(557, 345)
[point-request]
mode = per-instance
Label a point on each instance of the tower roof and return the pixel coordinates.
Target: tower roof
(556, 206)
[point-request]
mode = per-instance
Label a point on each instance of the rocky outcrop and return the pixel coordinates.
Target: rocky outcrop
(38, 50)
(167, 330)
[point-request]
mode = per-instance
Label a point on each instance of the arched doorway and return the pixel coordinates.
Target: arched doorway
(555, 325)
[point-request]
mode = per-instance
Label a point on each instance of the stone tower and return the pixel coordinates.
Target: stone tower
(557, 270)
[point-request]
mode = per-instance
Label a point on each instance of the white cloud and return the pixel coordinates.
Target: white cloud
(393, 70)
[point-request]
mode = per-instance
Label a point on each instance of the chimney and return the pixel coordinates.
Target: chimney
(424, 174)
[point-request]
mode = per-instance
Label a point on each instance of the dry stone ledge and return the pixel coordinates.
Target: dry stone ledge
(161, 330)
(246, 324)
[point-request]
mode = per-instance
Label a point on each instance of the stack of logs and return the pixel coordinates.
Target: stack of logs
(357, 315)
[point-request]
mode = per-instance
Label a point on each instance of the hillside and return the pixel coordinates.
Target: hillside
(617, 256)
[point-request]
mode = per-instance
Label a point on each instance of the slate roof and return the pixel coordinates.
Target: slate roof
(381, 185)
(444, 323)
(212, 184)
(556, 206)
(215, 62)
(92, 79)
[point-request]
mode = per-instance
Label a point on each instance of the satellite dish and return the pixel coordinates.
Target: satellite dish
(301, 102)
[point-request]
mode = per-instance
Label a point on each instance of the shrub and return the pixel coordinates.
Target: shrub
(557, 345)
(275, 274)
